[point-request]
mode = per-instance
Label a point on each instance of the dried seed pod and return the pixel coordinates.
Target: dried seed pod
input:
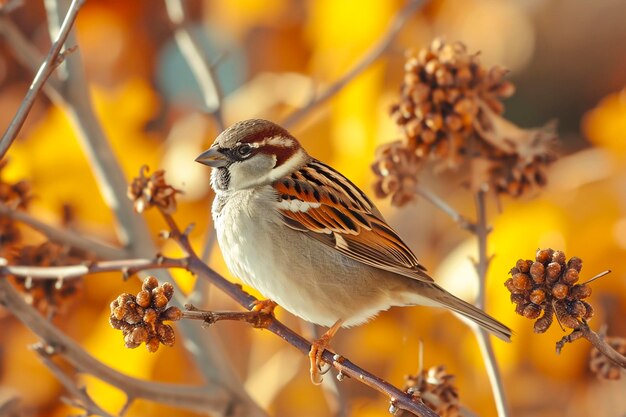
(580, 291)
(140, 318)
(537, 272)
(570, 276)
(553, 270)
(559, 291)
(531, 311)
(147, 192)
(544, 255)
(538, 296)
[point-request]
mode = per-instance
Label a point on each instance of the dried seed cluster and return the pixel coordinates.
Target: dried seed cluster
(441, 96)
(149, 191)
(396, 169)
(549, 285)
(436, 388)
(449, 111)
(141, 317)
(15, 196)
(46, 295)
(602, 366)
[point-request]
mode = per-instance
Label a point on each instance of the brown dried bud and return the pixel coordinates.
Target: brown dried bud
(524, 265)
(168, 290)
(553, 271)
(150, 283)
(575, 263)
(150, 316)
(537, 271)
(538, 296)
(559, 291)
(580, 291)
(544, 255)
(152, 344)
(172, 313)
(158, 298)
(166, 334)
(543, 323)
(143, 298)
(570, 276)
(558, 257)
(396, 168)
(522, 282)
(532, 311)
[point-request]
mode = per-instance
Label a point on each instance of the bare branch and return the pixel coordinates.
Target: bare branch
(80, 396)
(127, 266)
(438, 202)
(46, 68)
(64, 236)
(482, 230)
(596, 340)
(191, 48)
(368, 59)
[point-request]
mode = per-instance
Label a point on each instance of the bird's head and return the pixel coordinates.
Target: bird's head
(252, 153)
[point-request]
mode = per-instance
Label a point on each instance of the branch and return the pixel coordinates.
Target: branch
(596, 340)
(192, 51)
(210, 399)
(368, 59)
(45, 70)
(481, 230)
(80, 397)
(438, 202)
(100, 249)
(127, 266)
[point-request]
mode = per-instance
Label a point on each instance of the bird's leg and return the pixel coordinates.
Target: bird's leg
(317, 349)
(263, 306)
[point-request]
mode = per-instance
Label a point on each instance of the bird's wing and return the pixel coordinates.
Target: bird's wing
(321, 202)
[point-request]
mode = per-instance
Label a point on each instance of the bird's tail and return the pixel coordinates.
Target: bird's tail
(432, 294)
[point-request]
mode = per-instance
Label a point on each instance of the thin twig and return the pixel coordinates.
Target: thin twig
(191, 48)
(46, 68)
(28, 56)
(438, 202)
(484, 342)
(596, 340)
(77, 240)
(368, 59)
(80, 397)
(127, 266)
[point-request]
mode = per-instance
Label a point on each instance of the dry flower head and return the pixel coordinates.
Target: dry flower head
(449, 111)
(149, 191)
(436, 388)
(48, 295)
(549, 285)
(141, 317)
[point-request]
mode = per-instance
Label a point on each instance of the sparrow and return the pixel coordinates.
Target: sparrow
(311, 241)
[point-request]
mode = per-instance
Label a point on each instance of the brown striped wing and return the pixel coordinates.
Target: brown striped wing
(321, 202)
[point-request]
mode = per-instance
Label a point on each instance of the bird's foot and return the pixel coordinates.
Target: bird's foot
(317, 349)
(263, 306)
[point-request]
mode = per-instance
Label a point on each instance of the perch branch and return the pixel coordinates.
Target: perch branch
(45, 70)
(368, 59)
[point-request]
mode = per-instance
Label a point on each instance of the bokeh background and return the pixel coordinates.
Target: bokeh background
(568, 61)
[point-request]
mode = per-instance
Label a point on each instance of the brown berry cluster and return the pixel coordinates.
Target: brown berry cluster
(396, 169)
(141, 317)
(549, 285)
(46, 295)
(449, 112)
(436, 388)
(149, 191)
(441, 96)
(12, 196)
(602, 366)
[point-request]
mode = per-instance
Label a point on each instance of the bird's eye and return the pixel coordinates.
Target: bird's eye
(244, 150)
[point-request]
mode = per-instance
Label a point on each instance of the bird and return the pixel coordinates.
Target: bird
(308, 239)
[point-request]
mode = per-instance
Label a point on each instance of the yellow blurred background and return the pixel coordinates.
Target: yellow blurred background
(568, 61)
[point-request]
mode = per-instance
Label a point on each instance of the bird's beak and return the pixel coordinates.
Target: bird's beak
(213, 158)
